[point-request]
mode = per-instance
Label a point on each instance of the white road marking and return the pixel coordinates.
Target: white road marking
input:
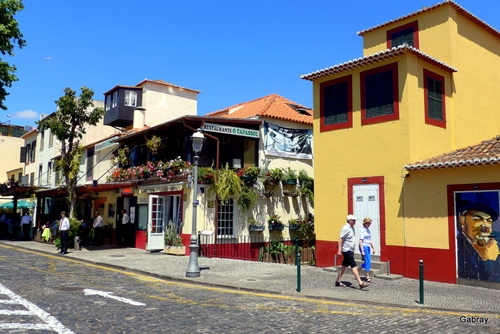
(51, 323)
(90, 292)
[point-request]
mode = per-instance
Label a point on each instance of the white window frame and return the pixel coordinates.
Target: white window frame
(114, 102)
(130, 98)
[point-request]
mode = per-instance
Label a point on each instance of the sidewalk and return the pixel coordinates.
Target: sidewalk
(282, 279)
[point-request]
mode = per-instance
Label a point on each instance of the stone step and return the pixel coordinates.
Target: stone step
(378, 268)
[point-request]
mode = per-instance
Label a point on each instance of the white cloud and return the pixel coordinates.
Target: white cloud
(26, 114)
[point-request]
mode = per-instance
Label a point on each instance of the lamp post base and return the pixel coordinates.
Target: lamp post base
(193, 270)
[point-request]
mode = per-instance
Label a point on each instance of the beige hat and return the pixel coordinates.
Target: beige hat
(351, 217)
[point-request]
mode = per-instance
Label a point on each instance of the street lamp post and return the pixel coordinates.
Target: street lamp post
(193, 269)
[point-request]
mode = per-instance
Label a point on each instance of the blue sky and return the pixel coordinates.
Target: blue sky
(232, 51)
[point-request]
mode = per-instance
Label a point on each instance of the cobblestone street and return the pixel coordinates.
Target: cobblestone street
(57, 285)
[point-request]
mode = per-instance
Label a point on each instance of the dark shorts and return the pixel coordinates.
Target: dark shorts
(348, 260)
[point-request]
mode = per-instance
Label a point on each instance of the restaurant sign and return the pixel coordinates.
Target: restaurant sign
(230, 130)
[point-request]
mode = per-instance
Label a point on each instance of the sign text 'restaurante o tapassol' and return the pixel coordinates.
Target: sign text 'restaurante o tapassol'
(230, 130)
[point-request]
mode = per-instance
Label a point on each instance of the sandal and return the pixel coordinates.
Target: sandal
(364, 285)
(340, 284)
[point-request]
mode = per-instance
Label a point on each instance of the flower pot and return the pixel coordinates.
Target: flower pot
(249, 180)
(256, 228)
(276, 227)
(175, 250)
(289, 182)
(293, 227)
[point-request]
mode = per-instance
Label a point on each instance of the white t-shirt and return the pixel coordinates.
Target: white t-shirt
(366, 236)
(125, 219)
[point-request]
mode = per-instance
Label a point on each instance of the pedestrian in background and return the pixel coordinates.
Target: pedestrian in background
(98, 225)
(25, 225)
(366, 247)
(64, 233)
(346, 248)
(126, 228)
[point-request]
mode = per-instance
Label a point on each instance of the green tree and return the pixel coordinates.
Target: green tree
(68, 125)
(10, 36)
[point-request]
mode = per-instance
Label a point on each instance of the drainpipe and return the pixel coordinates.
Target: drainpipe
(216, 202)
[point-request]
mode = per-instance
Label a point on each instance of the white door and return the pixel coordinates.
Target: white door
(366, 205)
(156, 225)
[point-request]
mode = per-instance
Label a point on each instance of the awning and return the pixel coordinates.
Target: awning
(20, 205)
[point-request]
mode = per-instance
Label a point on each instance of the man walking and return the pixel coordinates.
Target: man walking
(64, 230)
(346, 248)
(25, 225)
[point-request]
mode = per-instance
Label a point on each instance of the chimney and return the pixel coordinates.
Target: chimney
(139, 117)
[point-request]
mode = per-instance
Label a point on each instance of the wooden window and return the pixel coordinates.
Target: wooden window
(407, 33)
(225, 218)
(379, 95)
(434, 99)
(336, 104)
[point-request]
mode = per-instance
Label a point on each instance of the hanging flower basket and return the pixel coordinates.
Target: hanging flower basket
(289, 182)
(276, 226)
(256, 228)
(249, 180)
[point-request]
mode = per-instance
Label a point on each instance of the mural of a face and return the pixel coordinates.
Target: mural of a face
(477, 226)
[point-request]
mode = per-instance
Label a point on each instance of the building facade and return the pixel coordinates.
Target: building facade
(412, 96)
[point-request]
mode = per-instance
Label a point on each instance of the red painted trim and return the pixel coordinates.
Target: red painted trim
(325, 253)
(395, 89)
(439, 264)
(413, 25)
(140, 239)
(371, 180)
(337, 126)
(429, 120)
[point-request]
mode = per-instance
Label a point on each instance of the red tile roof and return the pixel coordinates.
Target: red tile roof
(164, 83)
(485, 153)
(271, 106)
(374, 58)
(453, 4)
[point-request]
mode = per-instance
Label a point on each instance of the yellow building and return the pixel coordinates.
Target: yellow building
(426, 84)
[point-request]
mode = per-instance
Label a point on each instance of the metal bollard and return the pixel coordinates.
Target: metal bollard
(77, 243)
(297, 262)
(421, 281)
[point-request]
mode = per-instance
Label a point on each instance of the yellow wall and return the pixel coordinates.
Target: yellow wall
(426, 203)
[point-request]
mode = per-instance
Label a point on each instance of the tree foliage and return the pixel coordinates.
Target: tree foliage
(68, 124)
(10, 36)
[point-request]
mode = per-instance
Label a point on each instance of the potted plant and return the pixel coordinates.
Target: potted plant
(268, 193)
(255, 226)
(226, 184)
(306, 226)
(275, 224)
(153, 144)
(206, 175)
(293, 224)
(273, 177)
(173, 241)
(178, 166)
(249, 175)
(122, 156)
(306, 186)
(289, 177)
(247, 199)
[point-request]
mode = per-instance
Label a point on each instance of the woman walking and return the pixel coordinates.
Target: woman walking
(366, 246)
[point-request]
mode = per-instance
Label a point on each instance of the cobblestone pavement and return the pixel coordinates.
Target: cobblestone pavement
(57, 285)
